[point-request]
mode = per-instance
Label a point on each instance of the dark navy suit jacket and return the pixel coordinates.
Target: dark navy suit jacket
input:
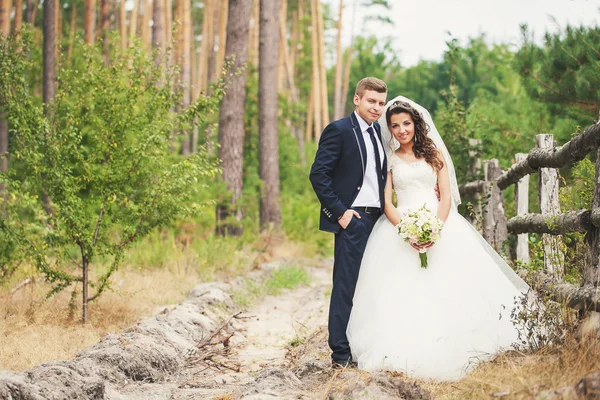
(338, 171)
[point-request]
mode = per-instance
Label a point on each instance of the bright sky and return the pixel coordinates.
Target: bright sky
(420, 26)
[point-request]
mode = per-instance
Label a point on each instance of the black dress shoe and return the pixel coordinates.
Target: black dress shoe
(343, 364)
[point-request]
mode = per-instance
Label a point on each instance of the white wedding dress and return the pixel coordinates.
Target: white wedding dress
(435, 322)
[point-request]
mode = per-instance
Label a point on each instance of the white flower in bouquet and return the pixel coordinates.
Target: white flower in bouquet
(419, 227)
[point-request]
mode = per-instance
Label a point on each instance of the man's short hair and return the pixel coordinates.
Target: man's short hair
(370, 84)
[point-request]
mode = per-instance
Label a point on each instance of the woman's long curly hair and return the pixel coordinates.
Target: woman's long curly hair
(423, 146)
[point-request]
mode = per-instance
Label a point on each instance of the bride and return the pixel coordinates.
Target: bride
(434, 322)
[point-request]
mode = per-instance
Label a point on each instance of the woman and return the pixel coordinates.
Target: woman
(433, 322)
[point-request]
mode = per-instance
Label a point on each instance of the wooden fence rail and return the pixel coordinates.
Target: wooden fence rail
(544, 160)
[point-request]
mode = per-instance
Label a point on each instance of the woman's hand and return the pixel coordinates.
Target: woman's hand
(421, 246)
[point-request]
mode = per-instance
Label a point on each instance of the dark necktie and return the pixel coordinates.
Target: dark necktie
(377, 165)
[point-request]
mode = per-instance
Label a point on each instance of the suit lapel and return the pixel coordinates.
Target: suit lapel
(360, 141)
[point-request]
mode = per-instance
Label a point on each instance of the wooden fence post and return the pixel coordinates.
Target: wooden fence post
(522, 202)
(592, 264)
(474, 145)
(494, 218)
(550, 205)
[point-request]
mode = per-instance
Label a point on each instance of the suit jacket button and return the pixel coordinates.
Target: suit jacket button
(358, 188)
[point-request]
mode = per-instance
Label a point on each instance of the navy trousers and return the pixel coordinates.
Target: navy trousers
(348, 253)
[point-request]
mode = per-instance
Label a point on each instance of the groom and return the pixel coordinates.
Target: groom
(349, 175)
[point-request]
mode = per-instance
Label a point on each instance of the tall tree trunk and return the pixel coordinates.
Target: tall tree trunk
(322, 70)
(231, 119)
(133, 17)
(316, 76)
(18, 15)
(222, 40)
(123, 25)
(29, 17)
(72, 30)
(146, 16)
(267, 114)
(348, 64)
(89, 21)
(213, 32)
(5, 11)
(5, 6)
(254, 29)
(168, 28)
(338, 103)
(186, 32)
(281, 72)
(158, 31)
(204, 48)
(105, 29)
(49, 75)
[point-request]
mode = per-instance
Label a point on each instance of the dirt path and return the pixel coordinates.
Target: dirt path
(209, 348)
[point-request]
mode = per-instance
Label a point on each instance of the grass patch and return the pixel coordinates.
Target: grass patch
(287, 277)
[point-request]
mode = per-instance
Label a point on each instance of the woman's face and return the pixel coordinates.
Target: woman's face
(402, 127)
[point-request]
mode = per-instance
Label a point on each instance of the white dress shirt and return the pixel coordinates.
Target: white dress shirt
(368, 194)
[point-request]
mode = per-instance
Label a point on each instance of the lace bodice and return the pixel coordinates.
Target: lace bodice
(413, 183)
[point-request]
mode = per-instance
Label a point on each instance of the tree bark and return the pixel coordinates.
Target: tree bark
(522, 201)
(146, 32)
(204, 49)
(316, 83)
(472, 188)
(554, 224)
(322, 69)
(185, 67)
(549, 205)
(89, 22)
(133, 17)
(231, 117)
(5, 11)
(592, 264)
(338, 103)
(158, 31)
(18, 15)
(105, 29)
(49, 75)
(494, 218)
(254, 33)
(123, 25)
(31, 4)
(270, 214)
(585, 298)
(72, 29)
(573, 151)
(168, 5)
(222, 40)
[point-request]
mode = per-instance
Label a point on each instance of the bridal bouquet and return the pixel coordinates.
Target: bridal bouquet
(418, 227)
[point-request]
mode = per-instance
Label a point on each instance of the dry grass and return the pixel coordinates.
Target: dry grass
(523, 376)
(34, 330)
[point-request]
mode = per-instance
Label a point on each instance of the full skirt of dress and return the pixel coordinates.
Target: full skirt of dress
(436, 322)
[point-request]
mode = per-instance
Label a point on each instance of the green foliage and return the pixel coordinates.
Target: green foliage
(96, 163)
(564, 72)
(451, 123)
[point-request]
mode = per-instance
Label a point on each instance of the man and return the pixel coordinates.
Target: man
(349, 176)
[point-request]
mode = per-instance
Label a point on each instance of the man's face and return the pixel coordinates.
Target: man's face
(370, 105)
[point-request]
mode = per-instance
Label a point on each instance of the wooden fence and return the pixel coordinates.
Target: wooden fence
(544, 160)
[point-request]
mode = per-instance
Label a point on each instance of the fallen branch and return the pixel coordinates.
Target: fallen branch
(586, 298)
(471, 188)
(24, 283)
(571, 152)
